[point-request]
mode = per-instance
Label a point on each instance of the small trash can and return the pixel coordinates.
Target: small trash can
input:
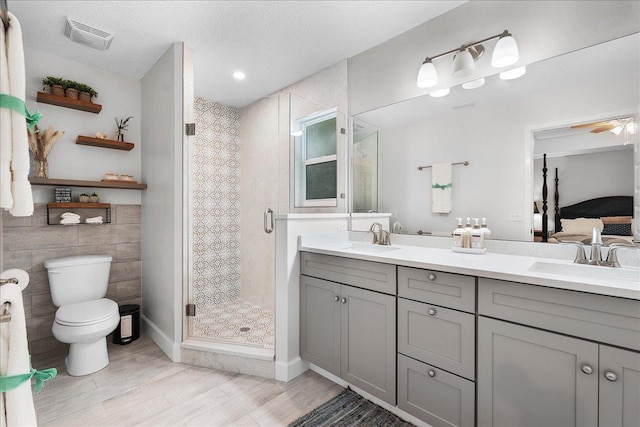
(128, 329)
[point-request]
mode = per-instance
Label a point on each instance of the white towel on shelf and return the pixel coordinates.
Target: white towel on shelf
(94, 220)
(6, 199)
(20, 186)
(441, 188)
(70, 215)
(68, 221)
(16, 409)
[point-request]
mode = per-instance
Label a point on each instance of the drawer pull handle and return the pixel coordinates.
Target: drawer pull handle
(344, 300)
(611, 376)
(432, 277)
(431, 373)
(587, 369)
(336, 298)
(431, 311)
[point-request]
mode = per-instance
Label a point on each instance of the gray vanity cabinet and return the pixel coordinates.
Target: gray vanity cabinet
(528, 377)
(619, 387)
(346, 330)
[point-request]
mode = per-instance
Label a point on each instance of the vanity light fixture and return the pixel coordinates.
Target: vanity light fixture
(505, 53)
(617, 130)
(513, 74)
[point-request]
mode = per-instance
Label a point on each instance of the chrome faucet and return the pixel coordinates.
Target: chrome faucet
(596, 245)
(612, 256)
(596, 251)
(380, 237)
(396, 225)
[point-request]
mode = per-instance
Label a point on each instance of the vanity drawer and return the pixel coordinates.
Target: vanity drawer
(438, 336)
(433, 395)
(601, 318)
(374, 276)
(435, 287)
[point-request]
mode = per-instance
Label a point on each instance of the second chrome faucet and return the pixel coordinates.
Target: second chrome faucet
(380, 236)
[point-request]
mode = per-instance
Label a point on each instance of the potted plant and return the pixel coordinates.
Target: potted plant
(94, 198)
(55, 84)
(84, 198)
(71, 89)
(86, 92)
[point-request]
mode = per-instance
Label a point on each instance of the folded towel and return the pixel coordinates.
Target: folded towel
(94, 220)
(16, 406)
(441, 188)
(6, 199)
(67, 221)
(70, 215)
(20, 186)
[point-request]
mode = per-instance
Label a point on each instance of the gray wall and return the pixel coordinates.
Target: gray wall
(29, 241)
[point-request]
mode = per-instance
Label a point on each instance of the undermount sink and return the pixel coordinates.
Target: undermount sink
(370, 248)
(588, 271)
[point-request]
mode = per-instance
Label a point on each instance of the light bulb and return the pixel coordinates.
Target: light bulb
(473, 84)
(440, 93)
(506, 51)
(427, 76)
(513, 74)
(238, 75)
(616, 130)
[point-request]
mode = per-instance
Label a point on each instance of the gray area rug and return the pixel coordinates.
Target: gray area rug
(349, 409)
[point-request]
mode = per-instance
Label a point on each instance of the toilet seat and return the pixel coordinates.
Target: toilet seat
(86, 313)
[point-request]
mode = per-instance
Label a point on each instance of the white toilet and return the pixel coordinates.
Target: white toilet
(84, 318)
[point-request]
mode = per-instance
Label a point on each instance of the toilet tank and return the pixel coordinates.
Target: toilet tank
(78, 278)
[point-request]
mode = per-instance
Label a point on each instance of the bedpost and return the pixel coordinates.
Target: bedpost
(556, 199)
(545, 218)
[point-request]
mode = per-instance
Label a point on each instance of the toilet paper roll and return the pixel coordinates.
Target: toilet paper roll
(21, 275)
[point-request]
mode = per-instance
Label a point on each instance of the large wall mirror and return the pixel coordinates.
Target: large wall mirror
(502, 129)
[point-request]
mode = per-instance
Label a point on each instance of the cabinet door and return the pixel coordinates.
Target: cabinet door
(433, 395)
(528, 377)
(369, 342)
(438, 336)
(320, 323)
(619, 387)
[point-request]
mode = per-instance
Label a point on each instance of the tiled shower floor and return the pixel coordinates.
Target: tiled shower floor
(227, 322)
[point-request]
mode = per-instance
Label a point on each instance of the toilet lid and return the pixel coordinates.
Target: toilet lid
(86, 313)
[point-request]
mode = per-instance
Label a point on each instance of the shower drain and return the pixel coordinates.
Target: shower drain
(245, 329)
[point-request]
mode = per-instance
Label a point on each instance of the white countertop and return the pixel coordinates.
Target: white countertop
(555, 273)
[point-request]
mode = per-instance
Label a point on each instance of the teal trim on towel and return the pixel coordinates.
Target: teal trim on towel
(441, 187)
(14, 381)
(18, 105)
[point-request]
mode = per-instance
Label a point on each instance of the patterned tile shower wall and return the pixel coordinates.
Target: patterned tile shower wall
(216, 204)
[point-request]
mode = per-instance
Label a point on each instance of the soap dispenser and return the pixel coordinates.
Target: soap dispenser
(458, 234)
(485, 229)
(477, 236)
(466, 234)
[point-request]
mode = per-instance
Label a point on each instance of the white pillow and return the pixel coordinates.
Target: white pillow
(581, 225)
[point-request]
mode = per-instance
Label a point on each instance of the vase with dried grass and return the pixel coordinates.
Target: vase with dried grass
(40, 144)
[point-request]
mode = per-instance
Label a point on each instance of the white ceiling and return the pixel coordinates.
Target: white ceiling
(276, 43)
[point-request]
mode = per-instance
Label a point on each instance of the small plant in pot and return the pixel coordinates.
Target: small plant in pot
(94, 198)
(86, 92)
(70, 89)
(84, 198)
(55, 84)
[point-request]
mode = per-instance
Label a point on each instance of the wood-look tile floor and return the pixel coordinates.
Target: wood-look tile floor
(142, 387)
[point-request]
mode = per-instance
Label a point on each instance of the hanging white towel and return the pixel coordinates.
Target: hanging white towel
(20, 186)
(16, 409)
(6, 200)
(441, 188)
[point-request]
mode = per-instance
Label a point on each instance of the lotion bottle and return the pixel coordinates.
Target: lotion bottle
(466, 234)
(458, 234)
(477, 236)
(487, 232)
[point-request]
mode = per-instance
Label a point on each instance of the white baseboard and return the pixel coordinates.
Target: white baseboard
(286, 371)
(393, 409)
(162, 340)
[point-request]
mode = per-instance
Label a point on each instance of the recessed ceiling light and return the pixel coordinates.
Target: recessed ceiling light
(513, 74)
(238, 75)
(440, 93)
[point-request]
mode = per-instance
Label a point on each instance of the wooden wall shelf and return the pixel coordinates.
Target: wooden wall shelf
(62, 101)
(104, 143)
(75, 205)
(90, 184)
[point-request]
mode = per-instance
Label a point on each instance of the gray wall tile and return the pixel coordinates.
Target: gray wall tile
(41, 305)
(128, 252)
(127, 214)
(123, 271)
(128, 290)
(20, 238)
(17, 259)
(108, 234)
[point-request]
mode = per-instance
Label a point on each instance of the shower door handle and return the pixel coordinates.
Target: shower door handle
(268, 223)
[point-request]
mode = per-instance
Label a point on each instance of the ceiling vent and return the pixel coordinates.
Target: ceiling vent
(87, 35)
